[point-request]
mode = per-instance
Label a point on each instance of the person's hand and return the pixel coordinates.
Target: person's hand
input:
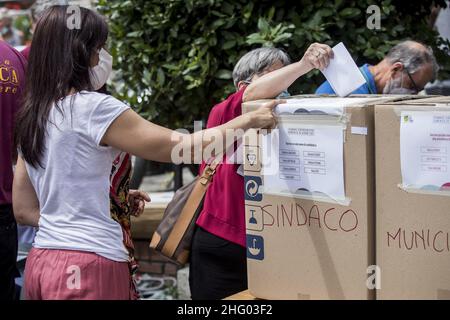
(264, 117)
(317, 56)
(137, 199)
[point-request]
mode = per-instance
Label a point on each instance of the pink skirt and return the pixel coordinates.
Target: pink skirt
(76, 275)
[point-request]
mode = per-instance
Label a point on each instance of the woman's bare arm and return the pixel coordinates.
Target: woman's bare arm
(25, 202)
(273, 83)
(135, 135)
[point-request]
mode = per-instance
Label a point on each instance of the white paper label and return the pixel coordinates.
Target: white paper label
(304, 157)
(359, 130)
(425, 149)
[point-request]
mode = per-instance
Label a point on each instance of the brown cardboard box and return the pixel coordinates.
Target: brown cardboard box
(315, 249)
(412, 228)
(431, 99)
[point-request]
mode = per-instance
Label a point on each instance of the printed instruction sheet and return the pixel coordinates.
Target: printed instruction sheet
(304, 157)
(425, 149)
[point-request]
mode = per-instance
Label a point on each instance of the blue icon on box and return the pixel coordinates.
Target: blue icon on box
(251, 185)
(255, 247)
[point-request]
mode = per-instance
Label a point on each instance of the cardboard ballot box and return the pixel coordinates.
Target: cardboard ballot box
(303, 244)
(413, 209)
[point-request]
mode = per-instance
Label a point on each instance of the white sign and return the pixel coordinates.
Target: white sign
(301, 157)
(342, 73)
(425, 149)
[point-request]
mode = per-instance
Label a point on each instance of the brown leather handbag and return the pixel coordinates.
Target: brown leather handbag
(173, 237)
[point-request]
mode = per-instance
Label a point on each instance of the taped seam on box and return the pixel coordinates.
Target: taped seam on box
(343, 120)
(422, 191)
(360, 130)
(439, 108)
(343, 202)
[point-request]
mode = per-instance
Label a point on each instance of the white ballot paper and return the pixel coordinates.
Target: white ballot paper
(342, 73)
(301, 158)
(425, 149)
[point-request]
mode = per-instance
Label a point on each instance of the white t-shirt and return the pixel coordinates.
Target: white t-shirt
(73, 187)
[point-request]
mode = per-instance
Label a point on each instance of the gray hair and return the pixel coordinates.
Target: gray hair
(256, 62)
(413, 55)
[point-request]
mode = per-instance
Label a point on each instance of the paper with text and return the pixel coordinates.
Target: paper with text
(304, 158)
(425, 149)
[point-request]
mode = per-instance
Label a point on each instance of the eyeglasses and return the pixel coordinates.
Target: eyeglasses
(416, 88)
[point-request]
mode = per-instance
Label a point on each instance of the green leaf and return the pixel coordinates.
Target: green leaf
(326, 12)
(223, 74)
(135, 34)
(161, 78)
(282, 37)
(350, 12)
(229, 44)
(263, 25)
(271, 13)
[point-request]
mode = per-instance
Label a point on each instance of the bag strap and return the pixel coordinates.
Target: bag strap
(209, 171)
(189, 209)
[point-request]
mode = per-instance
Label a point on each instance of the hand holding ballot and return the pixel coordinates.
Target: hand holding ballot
(342, 73)
(317, 56)
(278, 78)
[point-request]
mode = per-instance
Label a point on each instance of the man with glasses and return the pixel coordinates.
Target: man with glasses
(406, 69)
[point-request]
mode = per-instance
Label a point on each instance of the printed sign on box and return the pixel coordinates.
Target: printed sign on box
(252, 188)
(254, 218)
(251, 159)
(425, 149)
(309, 157)
(255, 247)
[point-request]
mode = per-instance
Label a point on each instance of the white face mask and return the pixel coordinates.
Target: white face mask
(395, 86)
(100, 73)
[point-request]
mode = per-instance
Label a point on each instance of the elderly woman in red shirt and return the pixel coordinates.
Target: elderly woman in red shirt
(218, 258)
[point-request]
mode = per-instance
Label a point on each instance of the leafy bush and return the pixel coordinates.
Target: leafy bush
(175, 57)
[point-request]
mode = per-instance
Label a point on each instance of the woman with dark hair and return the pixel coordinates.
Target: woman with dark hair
(124, 202)
(67, 136)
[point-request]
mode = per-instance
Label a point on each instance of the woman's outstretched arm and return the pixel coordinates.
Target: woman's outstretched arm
(135, 135)
(270, 85)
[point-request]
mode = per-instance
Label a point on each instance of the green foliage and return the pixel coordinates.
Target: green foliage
(175, 57)
(23, 23)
